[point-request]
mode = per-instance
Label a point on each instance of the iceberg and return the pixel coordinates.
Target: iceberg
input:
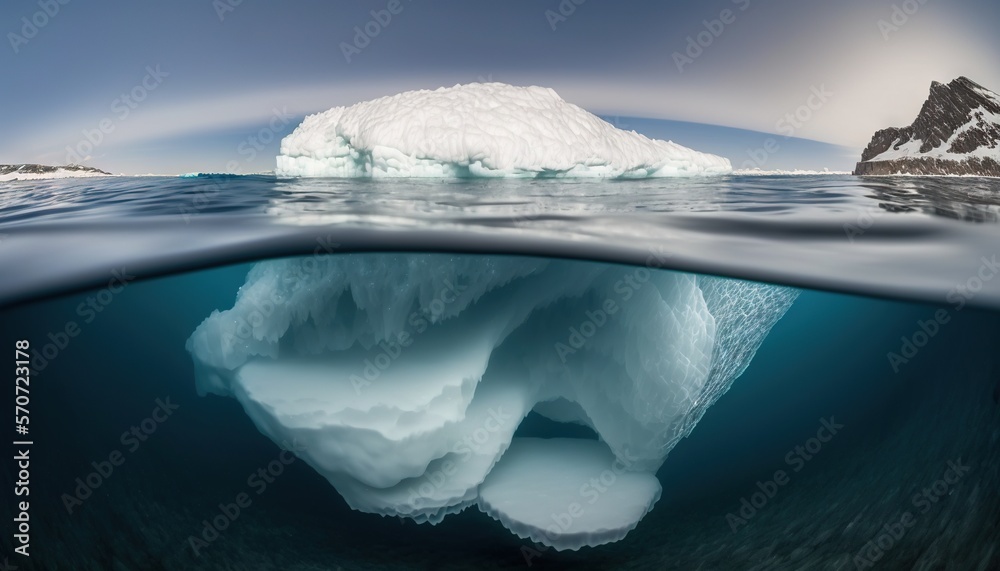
(404, 377)
(567, 493)
(479, 130)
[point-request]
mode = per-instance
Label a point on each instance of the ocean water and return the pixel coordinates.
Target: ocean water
(893, 340)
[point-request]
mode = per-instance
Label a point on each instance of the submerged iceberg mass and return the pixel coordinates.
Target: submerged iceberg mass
(479, 130)
(402, 378)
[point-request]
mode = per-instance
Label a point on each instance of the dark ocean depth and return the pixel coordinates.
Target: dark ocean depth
(916, 445)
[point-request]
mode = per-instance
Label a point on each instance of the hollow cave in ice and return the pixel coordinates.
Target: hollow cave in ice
(403, 377)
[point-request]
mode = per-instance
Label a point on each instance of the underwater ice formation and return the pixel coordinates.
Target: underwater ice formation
(404, 376)
(479, 130)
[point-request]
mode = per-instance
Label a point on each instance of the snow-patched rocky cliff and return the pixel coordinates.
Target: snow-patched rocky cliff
(956, 133)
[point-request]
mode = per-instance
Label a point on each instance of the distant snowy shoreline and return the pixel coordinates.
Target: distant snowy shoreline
(10, 173)
(794, 172)
(56, 175)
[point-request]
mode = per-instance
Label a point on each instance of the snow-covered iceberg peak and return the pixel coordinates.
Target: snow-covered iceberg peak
(479, 130)
(403, 378)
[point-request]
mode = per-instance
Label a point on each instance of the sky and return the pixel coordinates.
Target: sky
(212, 85)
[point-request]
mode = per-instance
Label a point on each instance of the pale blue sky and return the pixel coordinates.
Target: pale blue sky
(221, 80)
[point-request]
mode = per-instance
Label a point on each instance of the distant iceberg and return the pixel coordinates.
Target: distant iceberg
(479, 130)
(403, 378)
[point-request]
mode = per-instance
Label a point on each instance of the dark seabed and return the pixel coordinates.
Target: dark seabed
(891, 353)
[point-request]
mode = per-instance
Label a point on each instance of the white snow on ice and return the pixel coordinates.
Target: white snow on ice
(479, 130)
(402, 378)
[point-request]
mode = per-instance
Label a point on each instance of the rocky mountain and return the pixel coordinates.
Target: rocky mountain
(956, 132)
(32, 171)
